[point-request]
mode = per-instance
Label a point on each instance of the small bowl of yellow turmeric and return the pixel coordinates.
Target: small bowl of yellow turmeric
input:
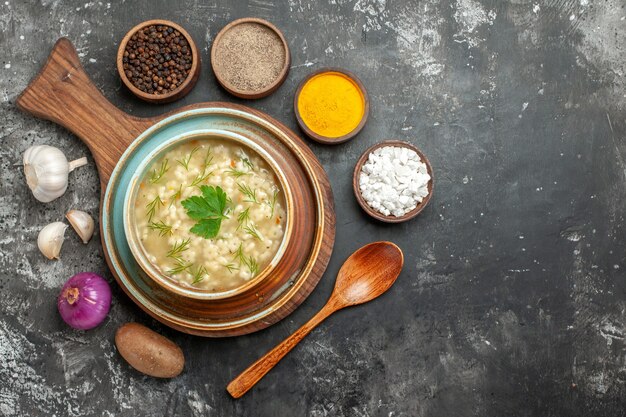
(331, 105)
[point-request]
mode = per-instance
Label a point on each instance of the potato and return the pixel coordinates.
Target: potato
(149, 352)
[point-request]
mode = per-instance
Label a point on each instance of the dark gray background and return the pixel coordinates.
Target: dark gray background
(512, 300)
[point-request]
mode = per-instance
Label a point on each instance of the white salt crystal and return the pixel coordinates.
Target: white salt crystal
(394, 180)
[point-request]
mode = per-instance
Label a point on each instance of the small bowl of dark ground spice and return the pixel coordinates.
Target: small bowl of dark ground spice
(250, 58)
(158, 61)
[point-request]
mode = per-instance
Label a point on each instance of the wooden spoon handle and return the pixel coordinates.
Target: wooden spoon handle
(63, 93)
(248, 378)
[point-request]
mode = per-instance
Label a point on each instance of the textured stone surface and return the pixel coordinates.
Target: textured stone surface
(513, 298)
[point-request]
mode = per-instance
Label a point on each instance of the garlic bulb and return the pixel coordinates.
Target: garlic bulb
(46, 169)
(51, 238)
(82, 223)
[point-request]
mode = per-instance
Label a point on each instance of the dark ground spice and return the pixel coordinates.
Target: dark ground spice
(157, 59)
(250, 57)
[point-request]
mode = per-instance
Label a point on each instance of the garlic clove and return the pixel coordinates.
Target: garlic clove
(46, 169)
(82, 223)
(51, 238)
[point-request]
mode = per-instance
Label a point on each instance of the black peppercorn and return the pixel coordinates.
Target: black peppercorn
(157, 59)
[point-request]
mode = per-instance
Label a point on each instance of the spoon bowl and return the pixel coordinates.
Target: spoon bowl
(366, 274)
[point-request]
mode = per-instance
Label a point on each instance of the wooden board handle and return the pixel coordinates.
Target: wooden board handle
(63, 93)
(253, 374)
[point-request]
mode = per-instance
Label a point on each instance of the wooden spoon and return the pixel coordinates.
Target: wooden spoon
(365, 275)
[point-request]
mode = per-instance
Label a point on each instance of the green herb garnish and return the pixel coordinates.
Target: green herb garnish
(248, 192)
(243, 218)
(178, 249)
(181, 266)
(207, 210)
(199, 274)
(207, 159)
(184, 162)
(247, 261)
(239, 253)
(236, 172)
(176, 195)
(251, 264)
(231, 267)
(252, 231)
(272, 202)
(247, 163)
(200, 178)
(157, 174)
(161, 227)
(153, 206)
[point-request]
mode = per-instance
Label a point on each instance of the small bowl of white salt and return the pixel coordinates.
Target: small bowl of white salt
(393, 181)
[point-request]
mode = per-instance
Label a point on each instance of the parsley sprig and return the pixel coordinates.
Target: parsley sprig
(208, 210)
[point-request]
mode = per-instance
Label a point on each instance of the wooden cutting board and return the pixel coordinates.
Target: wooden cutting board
(63, 93)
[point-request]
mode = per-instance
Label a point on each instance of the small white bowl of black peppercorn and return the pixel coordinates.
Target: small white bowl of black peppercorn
(158, 61)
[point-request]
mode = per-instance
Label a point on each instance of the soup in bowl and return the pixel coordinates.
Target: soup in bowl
(206, 215)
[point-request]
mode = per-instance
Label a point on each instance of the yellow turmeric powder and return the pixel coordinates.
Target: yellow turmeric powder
(331, 104)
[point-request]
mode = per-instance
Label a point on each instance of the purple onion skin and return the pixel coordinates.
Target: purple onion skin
(84, 301)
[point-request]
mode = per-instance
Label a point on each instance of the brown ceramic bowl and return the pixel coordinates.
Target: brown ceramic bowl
(357, 190)
(246, 93)
(325, 139)
(183, 89)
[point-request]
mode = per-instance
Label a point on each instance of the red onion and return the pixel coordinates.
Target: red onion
(84, 301)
